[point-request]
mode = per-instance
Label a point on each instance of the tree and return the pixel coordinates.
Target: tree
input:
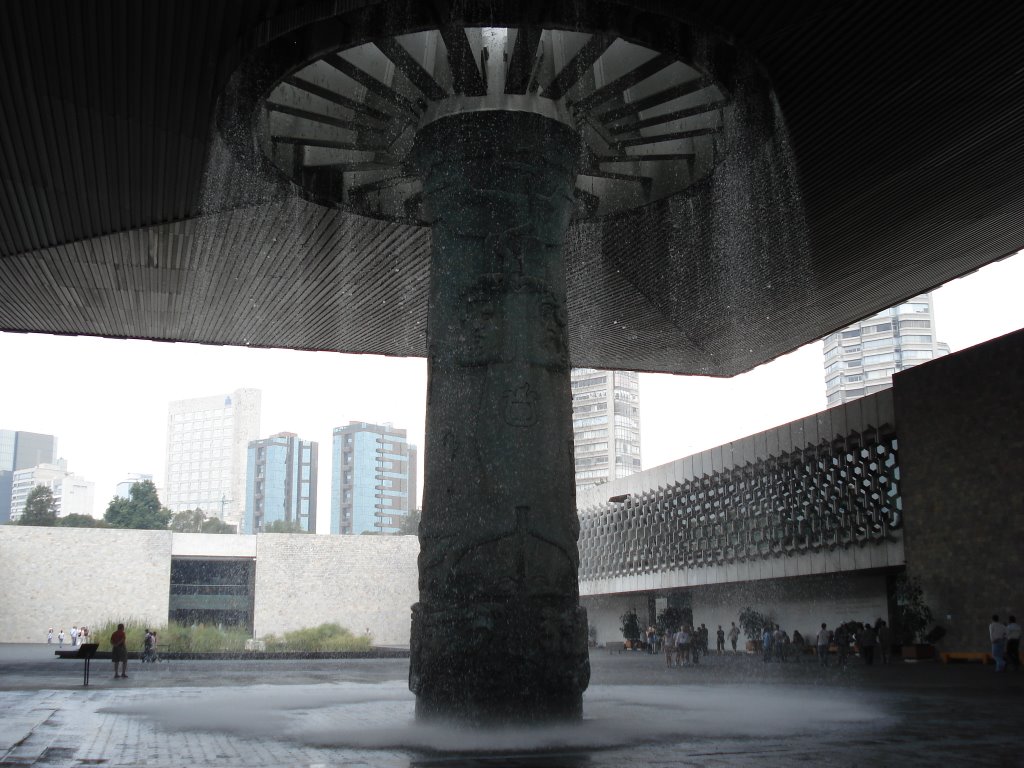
(81, 521)
(285, 526)
(196, 521)
(188, 521)
(216, 525)
(670, 619)
(753, 623)
(410, 525)
(630, 626)
(912, 615)
(40, 507)
(142, 510)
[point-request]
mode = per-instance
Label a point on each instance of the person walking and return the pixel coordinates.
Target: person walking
(720, 641)
(884, 640)
(779, 642)
(766, 643)
(683, 644)
(997, 636)
(867, 641)
(824, 639)
(734, 633)
(49, 635)
(798, 646)
(1013, 644)
(842, 641)
(119, 650)
(60, 639)
(668, 645)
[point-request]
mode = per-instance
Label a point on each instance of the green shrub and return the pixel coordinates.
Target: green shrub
(174, 636)
(326, 637)
(182, 638)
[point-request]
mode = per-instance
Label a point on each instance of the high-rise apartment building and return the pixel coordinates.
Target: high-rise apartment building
(20, 450)
(373, 478)
(862, 358)
(280, 484)
(73, 495)
(605, 425)
(207, 452)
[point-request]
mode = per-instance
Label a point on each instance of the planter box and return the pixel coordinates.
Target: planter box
(918, 651)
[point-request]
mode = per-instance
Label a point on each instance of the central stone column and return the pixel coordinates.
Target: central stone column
(498, 634)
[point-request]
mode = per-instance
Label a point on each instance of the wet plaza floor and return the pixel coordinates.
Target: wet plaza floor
(731, 710)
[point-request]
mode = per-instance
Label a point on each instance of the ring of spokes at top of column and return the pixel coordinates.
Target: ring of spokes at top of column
(341, 127)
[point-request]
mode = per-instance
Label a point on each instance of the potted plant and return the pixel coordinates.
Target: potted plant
(910, 620)
(753, 623)
(630, 626)
(669, 619)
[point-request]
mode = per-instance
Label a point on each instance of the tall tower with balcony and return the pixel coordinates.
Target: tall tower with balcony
(373, 478)
(862, 358)
(605, 425)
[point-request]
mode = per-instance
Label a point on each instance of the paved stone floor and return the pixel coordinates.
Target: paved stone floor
(732, 710)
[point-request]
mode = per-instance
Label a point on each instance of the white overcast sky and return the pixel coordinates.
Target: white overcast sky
(106, 400)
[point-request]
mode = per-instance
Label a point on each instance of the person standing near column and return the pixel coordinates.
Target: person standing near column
(119, 650)
(884, 640)
(997, 635)
(1013, 643)
(824, 638)
(734, 633)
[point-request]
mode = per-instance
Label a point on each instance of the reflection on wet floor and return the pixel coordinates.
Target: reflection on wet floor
(638, 713)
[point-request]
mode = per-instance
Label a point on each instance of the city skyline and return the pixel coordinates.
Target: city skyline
(111, 419)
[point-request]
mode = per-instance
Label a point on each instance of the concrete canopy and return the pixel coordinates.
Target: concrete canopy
(124, 214)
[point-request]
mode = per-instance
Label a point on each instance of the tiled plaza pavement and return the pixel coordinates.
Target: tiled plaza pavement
(732, 710)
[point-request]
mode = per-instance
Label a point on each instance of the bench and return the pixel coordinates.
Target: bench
(966, 656)
(615, 647)
(85, 651)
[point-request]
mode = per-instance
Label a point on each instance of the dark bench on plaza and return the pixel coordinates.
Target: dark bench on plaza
(85, 651)
(88, 652)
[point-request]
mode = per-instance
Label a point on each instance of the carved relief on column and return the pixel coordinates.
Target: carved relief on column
(499, 559)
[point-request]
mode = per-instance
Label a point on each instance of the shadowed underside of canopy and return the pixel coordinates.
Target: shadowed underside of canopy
(886, 160)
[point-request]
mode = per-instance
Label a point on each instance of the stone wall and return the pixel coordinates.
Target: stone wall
(359, 582)
(961, 431)
(59, 577)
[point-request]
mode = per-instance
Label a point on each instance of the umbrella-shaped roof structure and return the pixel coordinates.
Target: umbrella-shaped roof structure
(754, 176)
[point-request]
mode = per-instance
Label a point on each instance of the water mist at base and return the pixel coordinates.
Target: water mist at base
(380, 717)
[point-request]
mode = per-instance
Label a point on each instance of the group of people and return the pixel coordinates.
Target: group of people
(79, 635)
(867, 636)
(1005, 639)
(688, 643)
(776, 643)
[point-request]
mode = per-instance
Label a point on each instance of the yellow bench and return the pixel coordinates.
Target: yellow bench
(984, 658)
